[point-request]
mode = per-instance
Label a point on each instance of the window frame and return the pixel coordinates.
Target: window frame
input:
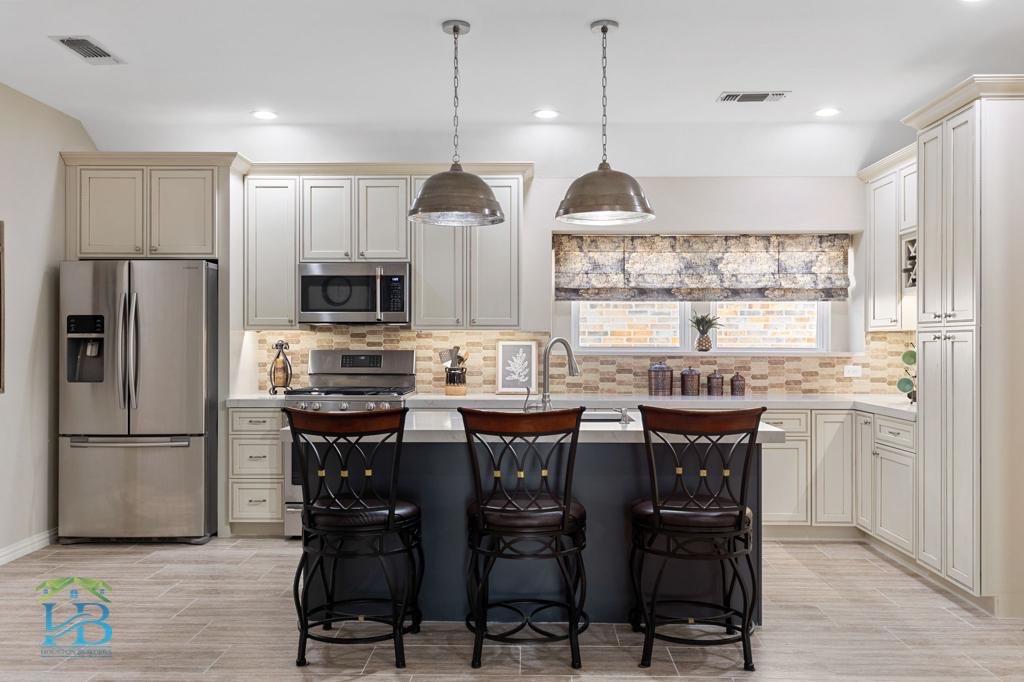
(687, 337)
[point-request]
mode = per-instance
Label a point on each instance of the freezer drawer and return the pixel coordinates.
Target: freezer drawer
(133, 488)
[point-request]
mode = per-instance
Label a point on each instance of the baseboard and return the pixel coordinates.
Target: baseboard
(811, 533)
(27, 546)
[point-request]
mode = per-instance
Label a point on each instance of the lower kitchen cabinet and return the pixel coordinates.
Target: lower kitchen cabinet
(256, 468)
(894, 497)
(864, 471)
(832, 443)
(785, 476)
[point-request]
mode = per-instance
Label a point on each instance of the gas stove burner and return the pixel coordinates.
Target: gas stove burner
(350, 391)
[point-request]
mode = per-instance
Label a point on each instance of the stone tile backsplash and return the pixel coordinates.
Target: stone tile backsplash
(617, 374)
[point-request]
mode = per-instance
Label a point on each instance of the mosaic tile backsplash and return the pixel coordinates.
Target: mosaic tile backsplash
(600, 374)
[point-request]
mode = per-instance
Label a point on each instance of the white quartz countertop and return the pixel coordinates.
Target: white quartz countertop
(896, 406)
(445, 426)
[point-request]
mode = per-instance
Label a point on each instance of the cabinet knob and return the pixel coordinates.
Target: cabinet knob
(138, 249)
(936, 337)
(346, 254)
(153, 249)
(458, 320)
(362, 253)
(291, 320)
(473, 321)
(936, 316)
(893, 320)
(950, 314)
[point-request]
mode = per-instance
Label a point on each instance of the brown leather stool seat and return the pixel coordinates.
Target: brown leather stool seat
(364, 519)
(519, 516)
(715, 518)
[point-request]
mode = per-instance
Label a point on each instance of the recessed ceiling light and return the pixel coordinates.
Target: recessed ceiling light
(826, 112)
(546, 113)
(264, 115)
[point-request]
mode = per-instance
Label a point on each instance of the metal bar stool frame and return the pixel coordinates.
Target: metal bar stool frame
(353, 490)
(510, 445)
(715, 442)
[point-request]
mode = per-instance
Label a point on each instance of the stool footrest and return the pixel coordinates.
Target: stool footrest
(527, 616)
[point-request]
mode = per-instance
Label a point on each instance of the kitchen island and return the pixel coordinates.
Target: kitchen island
(610, 474)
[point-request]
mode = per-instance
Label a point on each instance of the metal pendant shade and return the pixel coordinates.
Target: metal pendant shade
(455, 197)
(604, 196)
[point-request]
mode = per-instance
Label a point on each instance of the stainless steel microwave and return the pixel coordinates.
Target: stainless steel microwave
(354, 293)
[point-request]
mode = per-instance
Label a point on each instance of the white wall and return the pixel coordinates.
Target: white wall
(32, 208)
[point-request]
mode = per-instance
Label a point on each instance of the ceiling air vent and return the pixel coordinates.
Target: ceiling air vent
(754, 96)
(88, 49)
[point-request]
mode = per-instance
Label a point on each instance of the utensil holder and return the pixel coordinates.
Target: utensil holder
(455, 381)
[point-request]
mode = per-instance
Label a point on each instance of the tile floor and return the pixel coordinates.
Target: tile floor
(224, 612)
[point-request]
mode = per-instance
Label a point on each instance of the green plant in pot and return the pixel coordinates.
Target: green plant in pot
(908, 384)
(704, 324)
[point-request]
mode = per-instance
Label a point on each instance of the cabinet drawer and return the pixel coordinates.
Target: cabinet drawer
(256, 421)
(794, 423)
(256, 501)
(258, 457)
(896, 432)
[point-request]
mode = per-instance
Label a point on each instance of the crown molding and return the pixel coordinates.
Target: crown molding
(999, 86)
(232, 160)
(525, 170)
(889, 163)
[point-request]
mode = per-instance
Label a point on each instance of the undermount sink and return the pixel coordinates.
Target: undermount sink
(606, 416)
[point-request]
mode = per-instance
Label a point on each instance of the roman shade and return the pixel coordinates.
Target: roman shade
(774, 267)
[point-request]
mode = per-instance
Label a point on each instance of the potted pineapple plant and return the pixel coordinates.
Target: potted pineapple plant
(703, 324)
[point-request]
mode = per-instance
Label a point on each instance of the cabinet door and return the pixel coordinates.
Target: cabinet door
(864, 471)
(833, 468)
(786, 483)
(962, 459)
(439, 273)
(962, 217)
(181, 212)
(110, 212)
(494, 262)
(383, 210)
(271, 224)
(907, 177)
(931, 469)
(894, 498)
(326, 219)
(884, 286)
(929, 227)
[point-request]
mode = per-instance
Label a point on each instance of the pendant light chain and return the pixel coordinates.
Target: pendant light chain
(604, 94)
(455, 80)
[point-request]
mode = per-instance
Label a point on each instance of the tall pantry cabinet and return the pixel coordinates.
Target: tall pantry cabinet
(970, 320)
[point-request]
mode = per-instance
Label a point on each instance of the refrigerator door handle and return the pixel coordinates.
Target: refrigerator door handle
(86, 442)
(133, 353)
(119, 364)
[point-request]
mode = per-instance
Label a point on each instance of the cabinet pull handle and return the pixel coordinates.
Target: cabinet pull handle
(252, 501)
(257, 421)
(893, 320)
(893, 433)
(936, 316)
(775, 423)
(257, 456)
(867, 422)
(936, 337)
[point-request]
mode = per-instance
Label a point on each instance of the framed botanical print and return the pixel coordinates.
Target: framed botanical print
(517, 366)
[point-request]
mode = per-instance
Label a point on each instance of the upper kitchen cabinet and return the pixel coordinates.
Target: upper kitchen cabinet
(327, 233)
(111, 213)
(469, 277)
(271, 228)
(892, 212)
(382, 218)
(147, 205)
(182, 212)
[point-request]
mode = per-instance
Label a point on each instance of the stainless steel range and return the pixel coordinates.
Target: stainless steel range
(341, 381)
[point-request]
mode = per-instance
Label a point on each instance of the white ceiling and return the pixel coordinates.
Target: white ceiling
(344, 67)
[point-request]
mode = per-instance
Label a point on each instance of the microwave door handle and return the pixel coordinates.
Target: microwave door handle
(380, 273)
(122, 310)
(133, 353)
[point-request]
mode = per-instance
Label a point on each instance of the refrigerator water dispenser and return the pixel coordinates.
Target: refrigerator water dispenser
(85, 348)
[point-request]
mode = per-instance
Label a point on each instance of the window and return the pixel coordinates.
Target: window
(746, 326)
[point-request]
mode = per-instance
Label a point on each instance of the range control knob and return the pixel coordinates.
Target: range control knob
(342, 407)
(383, 406)
(370, 407)
(303, 405)
(316, 407)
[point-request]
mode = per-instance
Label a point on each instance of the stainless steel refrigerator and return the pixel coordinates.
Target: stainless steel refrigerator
(138, 394)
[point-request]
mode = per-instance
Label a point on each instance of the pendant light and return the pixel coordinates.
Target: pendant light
(605, 196)
(455, 197)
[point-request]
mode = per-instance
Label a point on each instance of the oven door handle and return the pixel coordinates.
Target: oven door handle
(380, 275)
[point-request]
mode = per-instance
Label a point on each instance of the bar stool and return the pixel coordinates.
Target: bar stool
(524, 510)
(702, 515)
(350, 511)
